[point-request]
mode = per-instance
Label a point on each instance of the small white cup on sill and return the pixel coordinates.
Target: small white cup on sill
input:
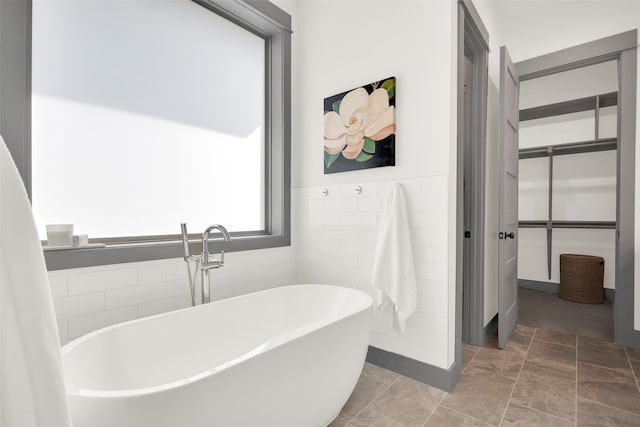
(80, 240)
(59, 234)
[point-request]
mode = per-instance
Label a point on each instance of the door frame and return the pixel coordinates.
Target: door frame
(473, 39)
(623, 48)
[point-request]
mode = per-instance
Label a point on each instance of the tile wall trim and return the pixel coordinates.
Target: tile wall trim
(444, 379)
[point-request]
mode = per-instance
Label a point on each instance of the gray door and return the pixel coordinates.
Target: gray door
(508, 209)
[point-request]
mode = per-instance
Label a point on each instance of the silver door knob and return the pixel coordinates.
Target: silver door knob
(503, 235)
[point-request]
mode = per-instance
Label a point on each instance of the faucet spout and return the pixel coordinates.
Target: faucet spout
(205, 236)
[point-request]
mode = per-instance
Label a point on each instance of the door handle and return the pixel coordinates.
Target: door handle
(503, 235)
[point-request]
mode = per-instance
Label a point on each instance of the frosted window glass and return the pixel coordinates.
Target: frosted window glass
(146, 114)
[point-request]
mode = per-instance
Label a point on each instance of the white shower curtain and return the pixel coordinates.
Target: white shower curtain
(32, 390)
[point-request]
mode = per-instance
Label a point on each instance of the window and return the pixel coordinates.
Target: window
(150, 113)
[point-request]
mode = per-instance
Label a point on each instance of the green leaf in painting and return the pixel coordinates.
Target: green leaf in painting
(390, 87)
(363, 157)
(330, 158)
(369, 145)
(336, 106)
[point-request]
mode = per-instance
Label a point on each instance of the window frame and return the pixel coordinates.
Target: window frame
(272, 24)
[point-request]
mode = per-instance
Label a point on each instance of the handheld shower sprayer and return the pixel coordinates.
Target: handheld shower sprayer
(187, 259)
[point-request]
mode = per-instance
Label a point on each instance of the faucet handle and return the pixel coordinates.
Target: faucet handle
(221, 258)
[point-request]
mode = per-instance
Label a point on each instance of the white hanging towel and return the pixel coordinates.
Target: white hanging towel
(32, 392)
(393, 272)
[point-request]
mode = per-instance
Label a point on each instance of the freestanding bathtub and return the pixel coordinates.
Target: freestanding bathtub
(288, 356)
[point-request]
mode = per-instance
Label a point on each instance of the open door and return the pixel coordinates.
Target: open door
(508, 195)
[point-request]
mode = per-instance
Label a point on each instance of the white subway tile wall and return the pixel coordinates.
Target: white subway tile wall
(334, 237)
(87, 299)
(333, 242)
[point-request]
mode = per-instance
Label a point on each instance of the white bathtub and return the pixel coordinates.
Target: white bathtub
(288, 356)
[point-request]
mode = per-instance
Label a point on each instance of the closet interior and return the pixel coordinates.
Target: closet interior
(567, 190)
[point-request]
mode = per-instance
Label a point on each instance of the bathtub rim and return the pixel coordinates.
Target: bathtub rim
(268, 346)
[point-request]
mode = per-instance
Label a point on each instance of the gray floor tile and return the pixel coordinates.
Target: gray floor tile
(379, 374)
(445, 417)
(525, 329)
(341, 421)
(370, 418)
(468, 353)
(492, 342)
(635, 365)
(481, 395)
(634, 359)
(633, 355)
(602, 353)
(520, 339)
(609, 387)
(547, 391)
(591, 414)
(557, 357)
(518, 342)
(520, 416)
(545, 310)
(408, 402)
(506, 362)
(367, 389)
(555, 337)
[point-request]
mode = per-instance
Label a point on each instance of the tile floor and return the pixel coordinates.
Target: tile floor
(542, 378)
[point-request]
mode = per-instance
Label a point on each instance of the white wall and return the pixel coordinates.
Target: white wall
(584, 185)
(338, 46)
(533, 28)
(332, 53)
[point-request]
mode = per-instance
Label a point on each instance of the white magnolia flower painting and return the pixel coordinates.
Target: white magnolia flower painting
(360, 128)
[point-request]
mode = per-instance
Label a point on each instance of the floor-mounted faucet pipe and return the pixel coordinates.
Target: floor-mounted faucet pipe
(208, 264)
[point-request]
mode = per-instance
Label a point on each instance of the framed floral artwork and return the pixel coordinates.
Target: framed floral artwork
(360, 128)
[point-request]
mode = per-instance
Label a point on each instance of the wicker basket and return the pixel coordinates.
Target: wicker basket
(581, 278)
